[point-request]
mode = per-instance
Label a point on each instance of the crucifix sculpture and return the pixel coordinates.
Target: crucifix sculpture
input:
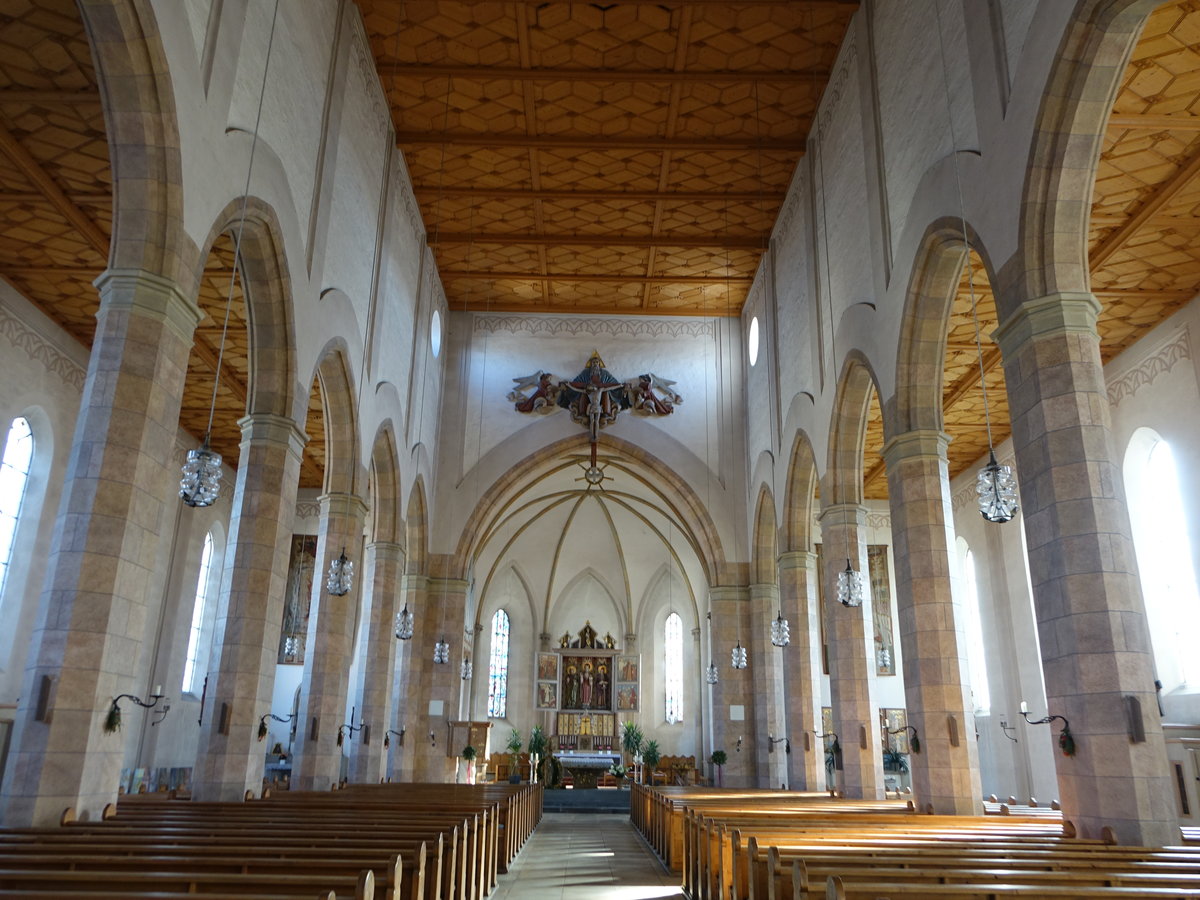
(594, 398)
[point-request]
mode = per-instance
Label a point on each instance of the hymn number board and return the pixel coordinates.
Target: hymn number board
(586, 673)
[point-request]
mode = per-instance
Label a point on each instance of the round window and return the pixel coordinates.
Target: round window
(752, 341)
(435, 333)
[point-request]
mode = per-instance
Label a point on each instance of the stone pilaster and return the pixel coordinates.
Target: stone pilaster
(945, 773)
(1091, 622)
(402, 756)
(735, 688)
(435, 686)
(317, 758)
(120, 481)
(766, 672)
(384, 565)
(851, 656)
(229, 760)
(802, 669)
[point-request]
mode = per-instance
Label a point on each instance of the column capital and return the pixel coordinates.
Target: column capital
(348, 505)
(271, 429)
(414, 581)
(442, 585)
(386, 550)
(147, 294)
(1067, 312)
(766, 589)
(927, 442)
(796, 559)
(734, 592)
(854, 514)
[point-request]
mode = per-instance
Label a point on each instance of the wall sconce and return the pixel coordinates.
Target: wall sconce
(262, 723)
(1066, 742)
(1006, 728)
(914, 742)
(387, 737)
(739, 744)
(349, 729)
(432, 738)
(772, 741)
(112, 722)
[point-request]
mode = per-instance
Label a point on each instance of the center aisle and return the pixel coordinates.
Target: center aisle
(577, 856)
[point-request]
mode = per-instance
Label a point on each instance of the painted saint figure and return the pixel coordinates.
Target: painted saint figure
(571, 692)
(585, 688)
(602, 685)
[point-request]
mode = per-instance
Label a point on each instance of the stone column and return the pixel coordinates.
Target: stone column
(229, 760)
(851, 656)
(434, 688)
(945, 774)
(766, 671)
(735, 687)
(401, 755)
(1091, 622)
(384, 563)
(802, 669)
(120, 481)
(317, 758)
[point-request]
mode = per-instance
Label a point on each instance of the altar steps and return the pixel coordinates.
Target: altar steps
(598, 800)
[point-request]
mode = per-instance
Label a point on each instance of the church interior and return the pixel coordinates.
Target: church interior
(805, 387)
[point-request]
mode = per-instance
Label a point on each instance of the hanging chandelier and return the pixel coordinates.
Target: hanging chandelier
(341, 576)
(201, 482)
(441, 651)
(781, 632)
(739, 657)
(404, 623)
(466, 669)
(850, 587)
(997, 489)
(711, 674)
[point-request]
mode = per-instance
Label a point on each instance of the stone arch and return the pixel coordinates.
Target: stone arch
(343, 470)
(764, 553)
(417, 531)
(848, 432)
(266, 286)
(668, 484)
(386, 524)
(799, 495)
(1067, 139)
(143, 139)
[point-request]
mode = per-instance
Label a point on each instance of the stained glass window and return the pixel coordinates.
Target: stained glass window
(14, 475)
(498, 667)
(674, 664)
(202, 590)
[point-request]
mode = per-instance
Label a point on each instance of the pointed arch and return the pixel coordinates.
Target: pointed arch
(799, 495)
(765, 548)
(589, 574)
(343, 470)
(386, 524)
(848, 432)
(417, 531)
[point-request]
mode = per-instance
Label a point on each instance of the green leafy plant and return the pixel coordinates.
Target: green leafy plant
(651, 754)
(112, 722)
(631, 738)
(556, 773)
(833, 756)
(539, 746)
(894, 760)
(617, 771)
(468, 753)
(718, 758)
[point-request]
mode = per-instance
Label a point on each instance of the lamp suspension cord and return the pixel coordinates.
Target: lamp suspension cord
(962, 214)
(237, 244)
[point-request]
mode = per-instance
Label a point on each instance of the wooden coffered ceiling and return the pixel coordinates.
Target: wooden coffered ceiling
(602, 157)
(1144, 241)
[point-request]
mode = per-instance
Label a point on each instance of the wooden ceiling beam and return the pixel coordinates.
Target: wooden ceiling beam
(48, 98)
(722, 312)
(1168, 122)
(717, 242)
(650, 76)
(432, 191)
(1163, 194)
(590, 277)
(229, 379)
(600, 142)
(40, 179)
(35, 197)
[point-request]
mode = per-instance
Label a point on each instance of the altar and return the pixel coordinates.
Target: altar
(586, 768)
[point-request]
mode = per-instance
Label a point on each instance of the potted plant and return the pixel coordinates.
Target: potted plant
(514, 757)
(617, 771)
(650, 758)
(718, 759)
(537, 747)
(468, 753)
(894, 761)
(631, 740)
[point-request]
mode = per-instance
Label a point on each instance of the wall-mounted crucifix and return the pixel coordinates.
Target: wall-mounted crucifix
(594, 398)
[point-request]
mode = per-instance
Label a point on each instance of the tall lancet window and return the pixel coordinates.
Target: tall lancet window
(191, 665)
(674, 668)
(498, 667)
(14, 476)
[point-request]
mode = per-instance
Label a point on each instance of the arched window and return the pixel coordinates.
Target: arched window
(674, 668)
(1164, 557)
(191, 666)
(976, 655)
(14, 476)
(498, 667)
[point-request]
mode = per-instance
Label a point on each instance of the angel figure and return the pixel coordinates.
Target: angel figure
(545, 392)
(652, 394)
